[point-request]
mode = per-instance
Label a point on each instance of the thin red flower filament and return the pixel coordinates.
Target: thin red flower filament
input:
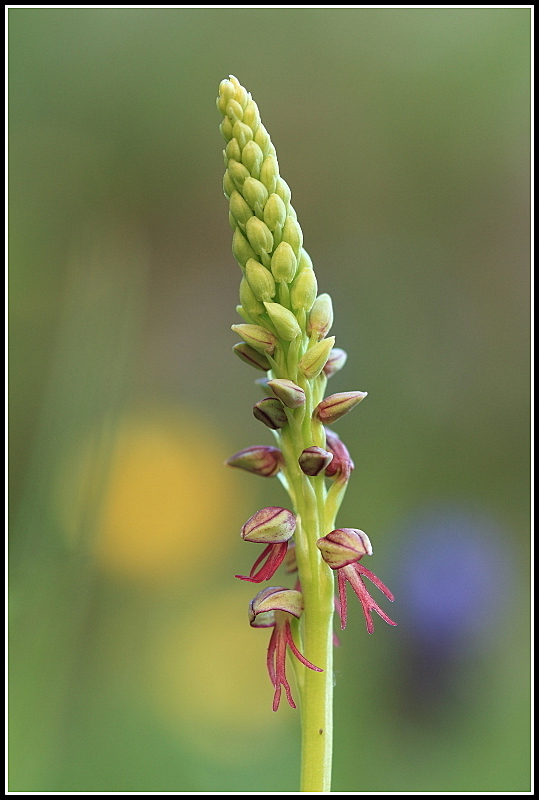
(274, 553)
(352, 573)
(281, 636)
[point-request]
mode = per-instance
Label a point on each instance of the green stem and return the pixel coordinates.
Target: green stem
(317, 586)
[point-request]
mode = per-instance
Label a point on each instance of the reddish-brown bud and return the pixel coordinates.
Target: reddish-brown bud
(271, 412)
(337, 405)
(336, 361)
(314, 460)
(342, 464)
(252, 356)
(260, 459)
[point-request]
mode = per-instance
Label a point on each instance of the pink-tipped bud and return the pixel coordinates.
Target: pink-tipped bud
(271, 412)
(344, 546)
(257, 337)
(337, 405)
(252, 356)
(288, 392)
(262, 608)
(321, 316)
(260, 460)
(342, 464)
(314, 460)
(336, 361)
(269, 525)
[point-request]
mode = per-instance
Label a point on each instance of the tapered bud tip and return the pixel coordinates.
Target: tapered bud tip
(304, 288)
(336, 361)
(285, 322)
(259, 235)
(260, 460)
(262, 608)
(337, 405)
(257, 337)
(269, 525)
(252, 356)
(321, 316)
(314, 460)
(344, 546)
(288, 392)
(271, 412)
(313, 361)
(283, 263)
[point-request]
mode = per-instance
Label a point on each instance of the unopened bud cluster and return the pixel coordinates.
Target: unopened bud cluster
(284, 333)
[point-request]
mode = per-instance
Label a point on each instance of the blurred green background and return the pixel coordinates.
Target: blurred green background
(404, 135)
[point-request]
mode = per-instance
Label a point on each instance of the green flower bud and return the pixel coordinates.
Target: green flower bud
(292, 234)
(336, 361)
(269, 525)
(269, 172)
(254, 335)
(239, 208)
(251, 356)
(288, 392)
(270, 411)
(255, 193)
(283, 263)
(262, 608)
(344, 546)
(233, 150)
(305, 260)
(260, 280)
(252, 157)
(234, 111)
(303, 291)
(226, 129)
(240, 94)
(226, 93)
(262, 139)
(242, 133)
(251, 115)
(337, 405)
(250, 302)
(228, 185)
(285, 322)
(238, 172)
(314, 460)
(321, 316)
(274, 212)
(283, 190)
(313, 361)
(259, 235)
(241, 248)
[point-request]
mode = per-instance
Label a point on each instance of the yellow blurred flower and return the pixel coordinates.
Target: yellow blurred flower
(164, 499)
